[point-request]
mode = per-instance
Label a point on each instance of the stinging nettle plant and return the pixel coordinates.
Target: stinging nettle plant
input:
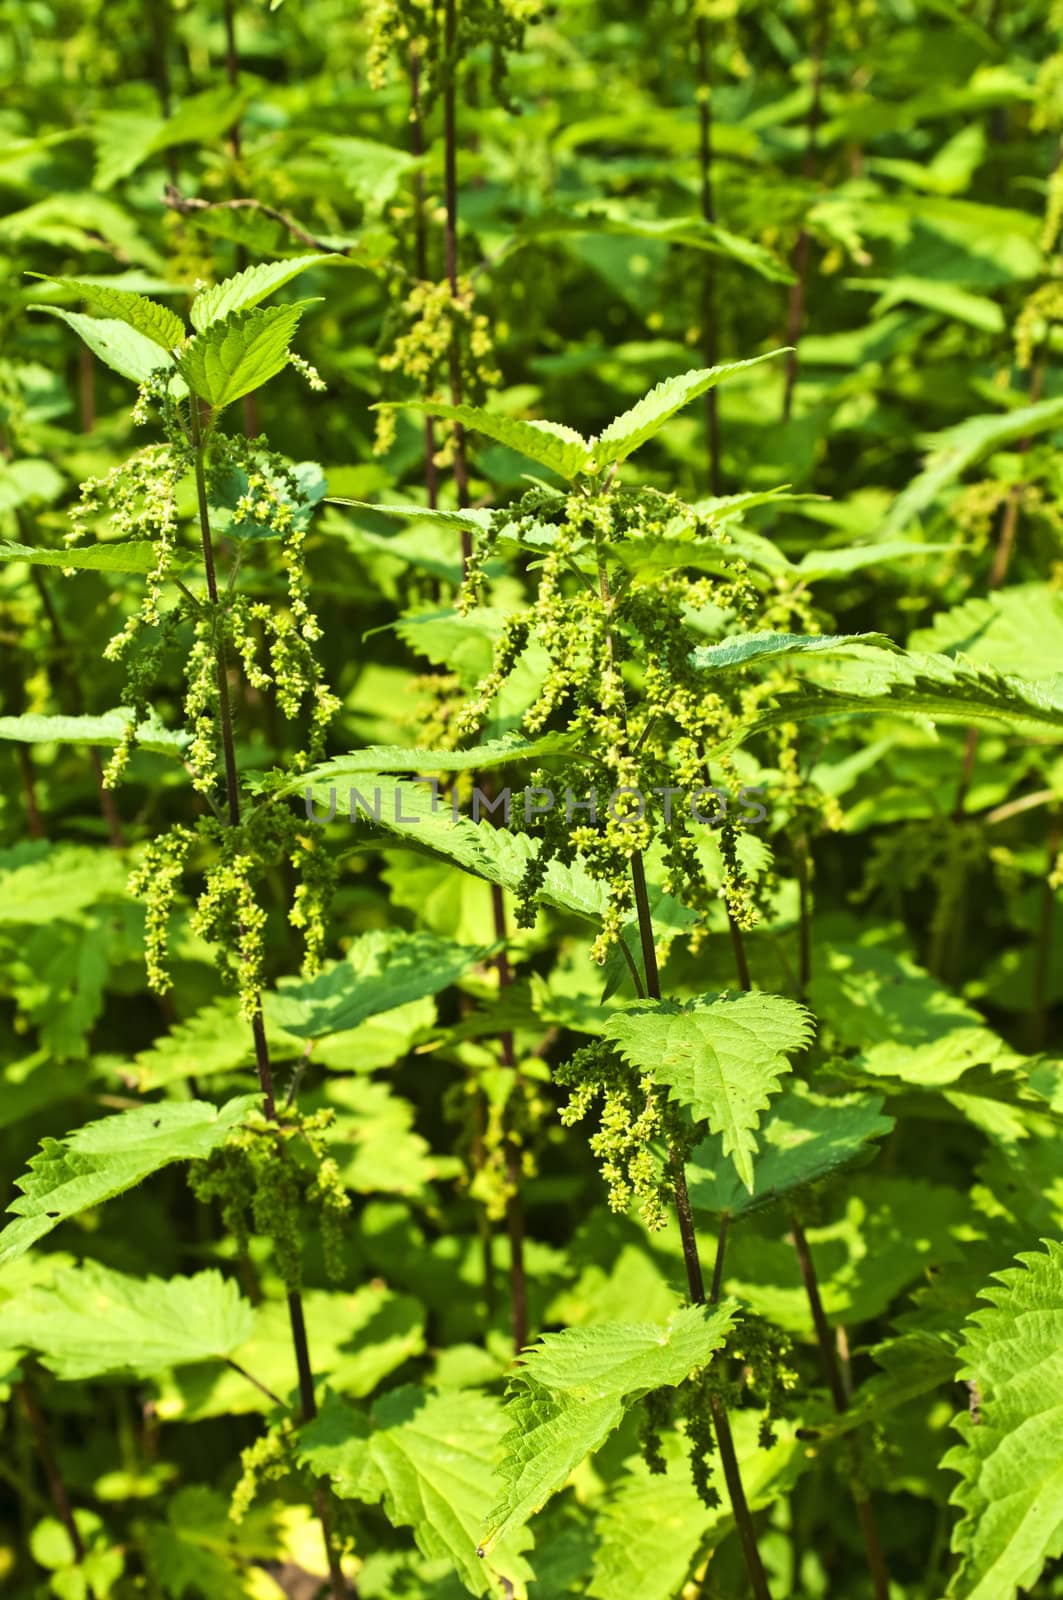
(418, 1335)
(271, 1169)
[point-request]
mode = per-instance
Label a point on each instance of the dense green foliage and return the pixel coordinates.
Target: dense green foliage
(532, 828)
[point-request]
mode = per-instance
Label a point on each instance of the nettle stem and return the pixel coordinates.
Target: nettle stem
(832, 1366)
(518, 1286)
(420, 234)
(709, 343)
(795, 314)
(695, 1282)
(828, 1352)
(108, 806)
(50, 1467)
(450, 195)
(296, 1318)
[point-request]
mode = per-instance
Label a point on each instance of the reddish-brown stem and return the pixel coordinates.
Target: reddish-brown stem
(86, 389)
(50, 1467)
(108, 805)
(28, 778)
(518, 1286)
(717, 1268)
(450, 196)
(257, 1382)
(1043, 959)
(710, 347)
(695, 1282)
(232, 70)
(832, 1371)
(184, 205)
(1005, 546)
(159, 69)
(796, 309)
(803, 861)
(420, 225)
(297, 1321)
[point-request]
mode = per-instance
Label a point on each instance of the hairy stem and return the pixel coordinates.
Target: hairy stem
(796, 309)
(695, 1282)
(803, 864)
(296, 1319)
(1005, 546)
(518, 1287)
(420, 233)
(28, 779)
(1043, 958)
(450, 196)
(50, 1467)
(832, 1371)
(108, 806)
(709, 345)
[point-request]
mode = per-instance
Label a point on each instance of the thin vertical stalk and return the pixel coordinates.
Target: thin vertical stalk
(50, 1467)
(684, 1213)
(450, 237)
(795, 313)
(832, 1366)
(1002, 554)
(28, 779)
(108, 804)
(296, 1318)
(803, 865)
(420, 230)
(232, 70)
(249, 405)
(1043, 959)
(159, 70)
(518, 1287)
(839, 1396)
(709, 342)
(695, 1282)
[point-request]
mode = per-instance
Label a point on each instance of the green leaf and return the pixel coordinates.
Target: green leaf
(383, 969)
(476, 518)
(104, 1158)
(240, 353)
(902, 682)
(995, 631)
(425, 822)
(201, 118)
(722, 1056)
(248, 288)
(118, 346)
(394, 758)
(694, 232)
(651, 1528)
(429, 1458)
(819, 565)
(27, 481)
(954, 450)
(43, 883)
(124, 555)
(91, 1320)
(108, 728)
(570, 1393)
(376, 1148)
(157, 323)
(356, 1339)
(372, 171)
(1011, 1492)
(562, 449)
(746, 647)
(232, 485)
(806, 1137)
(630, 430)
